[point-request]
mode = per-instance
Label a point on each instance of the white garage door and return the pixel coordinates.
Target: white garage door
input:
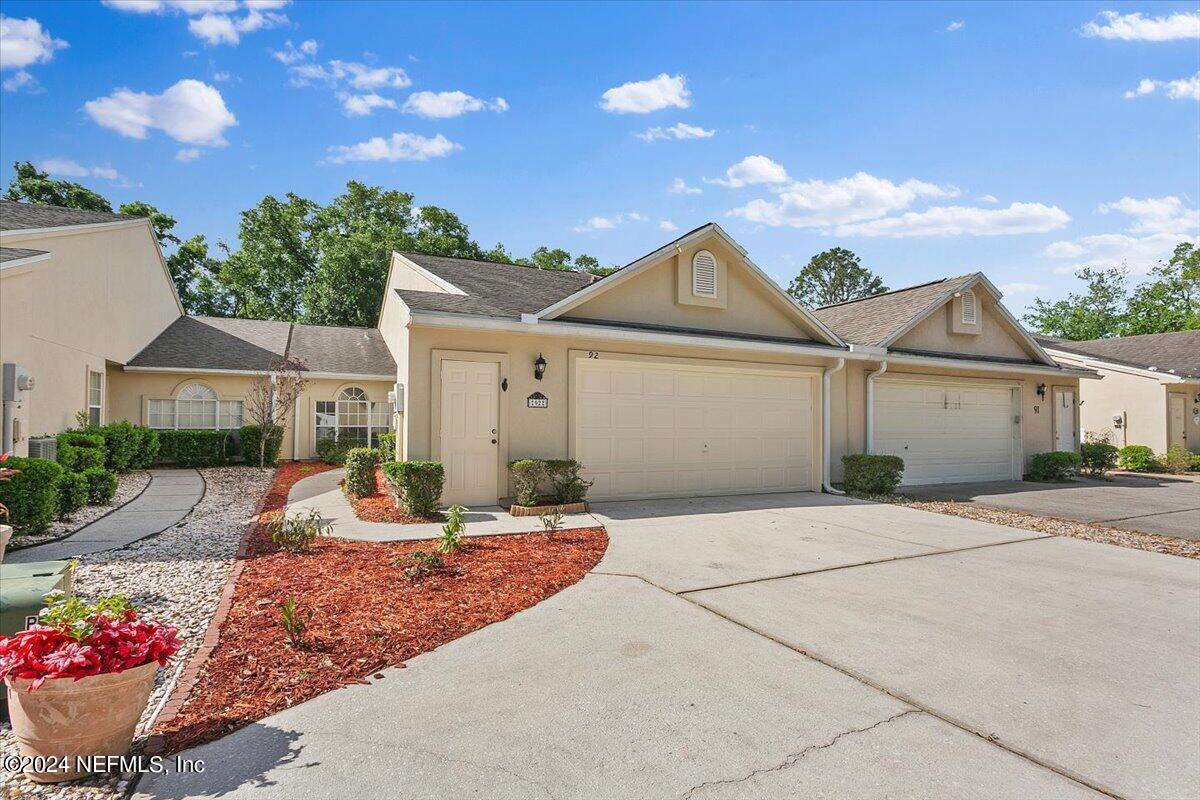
(946, 432)
(661, 430)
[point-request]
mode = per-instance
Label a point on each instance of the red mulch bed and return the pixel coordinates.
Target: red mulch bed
(365, 615)
(378, 507)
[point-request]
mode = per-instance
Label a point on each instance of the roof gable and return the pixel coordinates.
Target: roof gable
(1169, 353)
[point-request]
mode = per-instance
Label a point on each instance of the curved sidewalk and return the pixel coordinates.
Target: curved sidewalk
(168, 498)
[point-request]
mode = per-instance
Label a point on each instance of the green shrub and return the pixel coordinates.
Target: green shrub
(360, 471)
(78, 459)
(146, 446)
(1136, 458)
(81, 439)
(1176, 460)
(1053, 467)
(332, 452)
(295, 533)
(101, 485)
(866, 473)
(1195, 467)
(194, 448)
(72, 493)
(252, 441)
(527, 473)
(387, 447)
(31, 495)
(453, 530)
(566, 484)
(418, 484)
(120, 444)
(1098, 458)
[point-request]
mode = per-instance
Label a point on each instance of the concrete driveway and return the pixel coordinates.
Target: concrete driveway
(777, 646)
(1167, 506)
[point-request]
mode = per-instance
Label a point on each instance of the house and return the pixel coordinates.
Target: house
(687, 372)
(1150, 394)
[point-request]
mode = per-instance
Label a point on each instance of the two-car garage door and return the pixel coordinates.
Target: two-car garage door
(660, 429)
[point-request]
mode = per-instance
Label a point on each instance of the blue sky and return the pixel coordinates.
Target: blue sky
(931, 139)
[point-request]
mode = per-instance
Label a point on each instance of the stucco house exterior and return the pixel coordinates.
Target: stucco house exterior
(687, 372)
(1150, 394)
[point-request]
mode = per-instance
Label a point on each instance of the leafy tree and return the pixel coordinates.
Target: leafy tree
(1097, 314)
(545, 258)
(834, 276)
(441, 233)
(34, 186)
(1170, 300)
(162, 224)
(198, 279)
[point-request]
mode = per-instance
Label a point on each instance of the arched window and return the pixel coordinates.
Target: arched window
(196, 406)
(353, 419)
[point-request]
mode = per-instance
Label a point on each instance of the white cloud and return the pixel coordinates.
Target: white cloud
(680, 130)
(221, 76)
(187, 154)
(190, 111)
(162, 6)
(1135, 27)
(642, 97)
(361, 105)
(957, 25)
(23, 42)
(821, 204)
(1156, 225)
(356, 75)
(290, 54)
(963, 221)
(397, 147)
(1155, 214)
(1180, 89)
(21, 79)
(69, 168)
(443, 105)
(1021, 288)
(667, 225)
(988, 198)
(213, 21)
(608, 223)
(679, 186)
(752, 170)
(217, 29)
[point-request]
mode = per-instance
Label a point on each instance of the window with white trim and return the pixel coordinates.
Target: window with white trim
(704, 274)
(353, 418)
(196, 406)
(95, 396)
(970, 312)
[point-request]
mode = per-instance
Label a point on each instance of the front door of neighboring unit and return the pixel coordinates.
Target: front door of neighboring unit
(659, 429)
(469, 413)
(1065, 429)
(947, 432)
(1177, 417)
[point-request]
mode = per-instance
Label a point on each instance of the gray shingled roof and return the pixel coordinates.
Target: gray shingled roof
(492, 289)
(251, 344)
(16, 216)
(13, 253)
(874, 320)
(1164, 352)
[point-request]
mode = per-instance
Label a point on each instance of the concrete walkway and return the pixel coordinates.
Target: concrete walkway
(166, 500)
(322, 494)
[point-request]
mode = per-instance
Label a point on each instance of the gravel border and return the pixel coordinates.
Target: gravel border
(175, 576)
(129, 486)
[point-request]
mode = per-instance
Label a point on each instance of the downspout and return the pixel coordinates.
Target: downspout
(826, 425)
(296, 430)
(871, 406)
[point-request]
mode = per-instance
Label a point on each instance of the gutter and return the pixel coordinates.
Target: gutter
(341, 376)
(826, 448)
(883, 365)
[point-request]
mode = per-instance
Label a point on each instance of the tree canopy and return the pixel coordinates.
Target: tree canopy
(834, 276)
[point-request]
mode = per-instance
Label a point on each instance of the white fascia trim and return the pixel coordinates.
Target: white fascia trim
(1098, 363)
(341, 376)
(987, 366)
(441, 283)
(24, 262)
(67, 230)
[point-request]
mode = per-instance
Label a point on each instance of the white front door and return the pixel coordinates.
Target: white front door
(470, 409)
(1178, 430)
(1065, 429)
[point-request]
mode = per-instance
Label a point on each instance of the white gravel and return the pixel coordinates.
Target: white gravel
(129, 486)
(175, 577)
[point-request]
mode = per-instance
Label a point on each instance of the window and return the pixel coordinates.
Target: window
(353, 419)
(969, 313)
(704, 274)
(196, 406)
(95, 396)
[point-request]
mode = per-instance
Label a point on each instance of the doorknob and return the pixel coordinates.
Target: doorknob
(493, 431)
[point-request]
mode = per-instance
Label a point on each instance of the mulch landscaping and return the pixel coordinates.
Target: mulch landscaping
(378, 507)
(362, 613)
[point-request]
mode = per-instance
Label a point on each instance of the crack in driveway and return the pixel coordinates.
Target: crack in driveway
(794, 758)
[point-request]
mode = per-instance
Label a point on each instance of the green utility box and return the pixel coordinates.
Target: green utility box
(22, 589)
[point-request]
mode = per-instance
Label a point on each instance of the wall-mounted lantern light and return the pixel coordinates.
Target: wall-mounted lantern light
(539, 367)
(1041, 391)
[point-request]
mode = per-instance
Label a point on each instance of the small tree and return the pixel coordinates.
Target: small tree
(272, 395)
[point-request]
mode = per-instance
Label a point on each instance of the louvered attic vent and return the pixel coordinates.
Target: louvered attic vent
(704, 274)
(968, 307)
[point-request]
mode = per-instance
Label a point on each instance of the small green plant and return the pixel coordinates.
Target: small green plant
(101, 485)
(566, 484)
(1136, 458)
(82, 418)
(418, 484)
(360, 471)
(453, 530)
(1055, 467)
(387, 447)
(295, 534)
(294, 623)
(332, 452)
(73, 614)
(420, 564)
(552, 522)
(872, 474)
(1098, 458)
(1195, 467)
(527, 473)
(1177, 459)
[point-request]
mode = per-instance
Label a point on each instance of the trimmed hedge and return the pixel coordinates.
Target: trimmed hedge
(120, 444)
(331, 452)
(101, 485)
(1055, 467)
(1136, 458)
(145, 448)
(867, 473)
(1098, 458)
(31, 495)
(81, 439)
(77, 459)
(387, 447)
(418, 484)
(566, 484)
(527, 474)
(360, 471)
(195, 448)
(72, 493)
(252, 438)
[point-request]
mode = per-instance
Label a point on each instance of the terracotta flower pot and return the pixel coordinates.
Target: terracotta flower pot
(92, 716)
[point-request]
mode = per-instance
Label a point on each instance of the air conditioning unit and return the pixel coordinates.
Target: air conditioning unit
(44, 447)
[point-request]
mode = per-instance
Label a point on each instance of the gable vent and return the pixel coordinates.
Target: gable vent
(704, 274)
(969, 312)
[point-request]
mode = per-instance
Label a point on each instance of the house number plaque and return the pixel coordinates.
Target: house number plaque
(537, 400)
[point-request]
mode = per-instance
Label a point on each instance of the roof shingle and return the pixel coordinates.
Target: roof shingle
(13, 253)
(16, 216)
(874, 320)
(1171, 353)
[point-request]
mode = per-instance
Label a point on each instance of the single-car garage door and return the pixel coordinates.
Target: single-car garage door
(947, 432)
(659, 429)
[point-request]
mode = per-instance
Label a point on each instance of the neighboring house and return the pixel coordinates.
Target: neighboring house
(687, 372)
(1151, 389)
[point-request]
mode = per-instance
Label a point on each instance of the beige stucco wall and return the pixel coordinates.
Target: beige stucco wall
(994, 338)
(100, 298)
(1191, 411)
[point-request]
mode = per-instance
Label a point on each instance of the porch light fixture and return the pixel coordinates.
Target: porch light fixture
(539, 367)
(1041, 391)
